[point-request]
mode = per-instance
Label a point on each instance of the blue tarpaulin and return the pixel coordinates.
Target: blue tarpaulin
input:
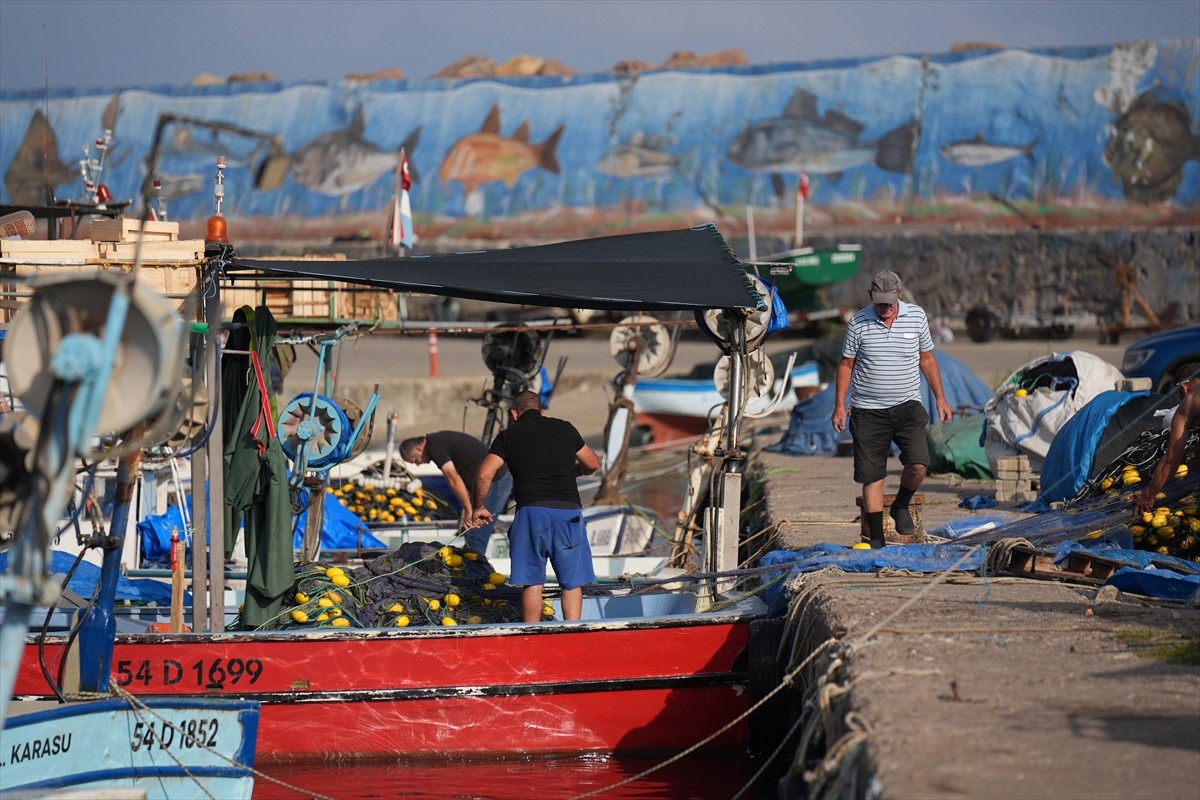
(912, 557)
(340, 530)
(1068, 462)
(87, 575)
(1146, 573)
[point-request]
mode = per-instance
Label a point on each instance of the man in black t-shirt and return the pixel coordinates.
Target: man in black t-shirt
(544, 456)
(458, 456)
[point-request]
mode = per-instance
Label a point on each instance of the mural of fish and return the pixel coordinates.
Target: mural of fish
(486, 156)
(978, 152)
(635, 161)
(173, 187)
(36, 169)
(802, 141)
(643, 156)
(340, 162)
(1148, 147)
(185, 142)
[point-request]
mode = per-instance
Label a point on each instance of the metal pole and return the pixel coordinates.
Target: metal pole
(216, 481)
(200, 487)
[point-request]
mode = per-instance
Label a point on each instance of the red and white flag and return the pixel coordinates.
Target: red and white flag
(400, 226)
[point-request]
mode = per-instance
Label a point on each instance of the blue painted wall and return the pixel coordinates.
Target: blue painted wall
(1081, 132)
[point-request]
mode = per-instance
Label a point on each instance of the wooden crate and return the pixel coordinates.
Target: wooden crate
(154, 252)
(174, 282)
(287, 300)
(126, 230)
(176, 274)
(54, 251)
(367, 304)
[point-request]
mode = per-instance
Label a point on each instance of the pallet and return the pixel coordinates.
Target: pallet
(1080, 566)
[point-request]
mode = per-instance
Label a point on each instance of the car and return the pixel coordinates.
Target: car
(1163, 357)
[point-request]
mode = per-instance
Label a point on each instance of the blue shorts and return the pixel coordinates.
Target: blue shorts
(539, 533)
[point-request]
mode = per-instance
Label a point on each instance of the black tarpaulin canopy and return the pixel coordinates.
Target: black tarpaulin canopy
(660, 271)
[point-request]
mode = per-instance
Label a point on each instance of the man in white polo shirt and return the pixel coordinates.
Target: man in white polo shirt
(887, 348)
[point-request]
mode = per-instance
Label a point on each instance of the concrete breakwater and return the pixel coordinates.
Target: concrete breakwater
(950, 271)
(901, 686)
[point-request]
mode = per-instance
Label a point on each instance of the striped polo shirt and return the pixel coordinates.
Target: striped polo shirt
(887, 369)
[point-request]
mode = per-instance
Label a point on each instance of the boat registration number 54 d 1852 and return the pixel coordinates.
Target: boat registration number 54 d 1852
(214, 673)
(163, 736)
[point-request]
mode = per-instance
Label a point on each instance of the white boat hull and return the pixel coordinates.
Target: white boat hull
(698, 397)
(170, 749)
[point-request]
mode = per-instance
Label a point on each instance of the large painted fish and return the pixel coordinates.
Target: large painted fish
(643, 156)
(978, 152)
(487, 156)
(1148, 147)
(636, 161)
(802, 141)
(36, 169)
(341, 162)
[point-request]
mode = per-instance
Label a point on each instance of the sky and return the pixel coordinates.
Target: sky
(108, 44)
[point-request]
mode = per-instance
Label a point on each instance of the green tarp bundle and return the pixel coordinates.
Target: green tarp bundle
(955, 447)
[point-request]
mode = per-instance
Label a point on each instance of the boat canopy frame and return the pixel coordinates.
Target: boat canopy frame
(678, 270)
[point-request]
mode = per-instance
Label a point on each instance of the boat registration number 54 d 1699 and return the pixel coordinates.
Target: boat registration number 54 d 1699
(213, 674)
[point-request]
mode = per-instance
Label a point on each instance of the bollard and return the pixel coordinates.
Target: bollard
(433, 365)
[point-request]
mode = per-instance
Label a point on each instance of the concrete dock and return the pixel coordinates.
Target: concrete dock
(930, 688)
(972, 688)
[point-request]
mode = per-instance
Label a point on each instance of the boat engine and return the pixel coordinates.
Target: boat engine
(515, 360)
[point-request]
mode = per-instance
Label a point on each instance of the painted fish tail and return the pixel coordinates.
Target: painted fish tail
(547, 159)
(894, 152)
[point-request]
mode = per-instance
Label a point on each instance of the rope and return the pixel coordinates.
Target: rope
(843, 751)
(141, 709)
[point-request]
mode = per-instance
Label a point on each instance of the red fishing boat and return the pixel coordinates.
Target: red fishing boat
(643, 671)
(640, 673)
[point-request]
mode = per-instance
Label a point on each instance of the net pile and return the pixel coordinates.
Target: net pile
(1104, 504)
(419, 583)
(1173, 526)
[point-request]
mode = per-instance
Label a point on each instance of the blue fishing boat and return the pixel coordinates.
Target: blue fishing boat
(89, 354)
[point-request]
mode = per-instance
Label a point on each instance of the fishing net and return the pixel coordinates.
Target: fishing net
(380, 504)
(419, 583)
(1105, 505)
(1173, 526)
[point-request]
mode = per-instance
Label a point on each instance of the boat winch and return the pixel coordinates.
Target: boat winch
(317, 432)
